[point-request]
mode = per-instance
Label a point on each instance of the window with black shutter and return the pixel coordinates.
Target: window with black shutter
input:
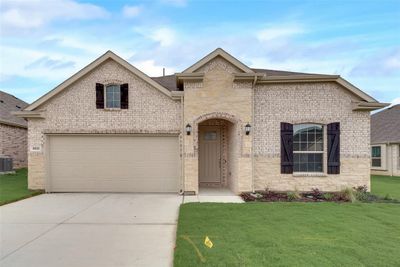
(286, 147)
(333, 131)
(124, 96)
(99, 96)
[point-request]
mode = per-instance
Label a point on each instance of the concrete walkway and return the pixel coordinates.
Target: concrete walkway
(87, 230)
(217, 195)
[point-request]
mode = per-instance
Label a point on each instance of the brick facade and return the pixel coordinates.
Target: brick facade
(251, 160)
(74, 111)
(13, 143)
(320, 103)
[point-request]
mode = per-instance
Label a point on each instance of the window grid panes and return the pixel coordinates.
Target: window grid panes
(113, 96)
(376, 160)
(308, 148)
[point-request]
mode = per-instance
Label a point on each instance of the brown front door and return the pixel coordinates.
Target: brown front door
(210, 154)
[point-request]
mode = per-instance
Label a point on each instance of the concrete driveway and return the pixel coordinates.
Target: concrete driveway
(89, 230)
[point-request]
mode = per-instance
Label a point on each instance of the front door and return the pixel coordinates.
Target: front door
(210, 154)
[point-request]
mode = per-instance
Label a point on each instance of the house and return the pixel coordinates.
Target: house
(219, 123)
(385, 142)
(13, 130)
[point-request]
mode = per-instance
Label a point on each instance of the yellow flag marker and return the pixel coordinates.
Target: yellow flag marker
(208, 242)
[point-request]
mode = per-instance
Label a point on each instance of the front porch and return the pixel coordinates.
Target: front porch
(217, 195)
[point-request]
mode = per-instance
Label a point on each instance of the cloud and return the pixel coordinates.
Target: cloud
(278, 32)
(382, 64)
(164, 36)
(131, 11)
(178, 3)
(151, 68)
(53, 64)
(24, 15)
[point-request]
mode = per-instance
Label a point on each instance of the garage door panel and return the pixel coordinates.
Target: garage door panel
(114, 164)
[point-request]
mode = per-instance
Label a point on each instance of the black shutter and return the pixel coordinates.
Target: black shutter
(124, 96)
(99, 96)
(286, 147)
(334, 148)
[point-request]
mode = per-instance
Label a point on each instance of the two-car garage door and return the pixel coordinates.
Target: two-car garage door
(110, 163)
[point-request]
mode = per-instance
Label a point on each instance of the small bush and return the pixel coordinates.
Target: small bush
(291, 196)
(388, 197)
(328, 196)
(348, 194)
(316, 193)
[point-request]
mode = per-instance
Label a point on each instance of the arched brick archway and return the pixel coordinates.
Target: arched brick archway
(230, 129)
(214, 115)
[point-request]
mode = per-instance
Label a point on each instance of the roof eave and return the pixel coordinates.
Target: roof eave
(108, 55)
(222, 53)
(13, 124)
(28, 114)
(368, 106)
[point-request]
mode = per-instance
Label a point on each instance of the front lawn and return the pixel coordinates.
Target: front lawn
(14, 187)
(288, 234)
(385, 185)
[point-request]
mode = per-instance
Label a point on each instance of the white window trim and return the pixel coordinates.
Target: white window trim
(383, 157)
(324, 172)
(398, 156)
(105, 96)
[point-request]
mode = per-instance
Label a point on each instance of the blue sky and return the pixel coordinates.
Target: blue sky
(42, 43)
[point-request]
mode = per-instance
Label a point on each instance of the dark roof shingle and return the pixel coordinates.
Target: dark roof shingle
(8, 104)
(169, 81)
(385, 126)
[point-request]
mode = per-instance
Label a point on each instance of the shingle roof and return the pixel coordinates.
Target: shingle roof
(169, 81)
(8, 104)
(385, 126)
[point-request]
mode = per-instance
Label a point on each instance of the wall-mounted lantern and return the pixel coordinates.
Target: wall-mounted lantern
(188, 129)
(247, 129)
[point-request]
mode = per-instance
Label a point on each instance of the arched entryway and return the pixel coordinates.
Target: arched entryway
(218, 150)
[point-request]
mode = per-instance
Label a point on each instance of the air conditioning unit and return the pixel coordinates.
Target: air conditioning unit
(6, 164)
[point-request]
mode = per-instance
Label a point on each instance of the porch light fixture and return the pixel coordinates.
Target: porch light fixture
(247, 129)
(188, 129)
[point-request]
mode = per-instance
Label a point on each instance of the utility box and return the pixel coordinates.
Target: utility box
(6, 164)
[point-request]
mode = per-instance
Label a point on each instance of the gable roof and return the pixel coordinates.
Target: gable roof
(9, 104)
(89, 68)
(385, 126)
(168, 84)
(221, 53)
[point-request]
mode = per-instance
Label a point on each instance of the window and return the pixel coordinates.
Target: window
(376, 156)
(308, 148)
(210, 136)
(113, 96)
(398, 163)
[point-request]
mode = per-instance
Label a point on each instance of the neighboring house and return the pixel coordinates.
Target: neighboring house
(13, 130)
(218, 123)
(385, 142)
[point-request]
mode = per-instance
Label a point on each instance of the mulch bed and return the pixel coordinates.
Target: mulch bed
(313, 196)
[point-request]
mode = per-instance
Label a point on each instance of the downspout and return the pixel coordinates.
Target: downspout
(252, 135)
(183, 189)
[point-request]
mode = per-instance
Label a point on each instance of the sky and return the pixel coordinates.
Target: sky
(43, 43)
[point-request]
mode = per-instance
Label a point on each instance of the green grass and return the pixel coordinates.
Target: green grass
(14, 187)
(289, 234)
(385, 185)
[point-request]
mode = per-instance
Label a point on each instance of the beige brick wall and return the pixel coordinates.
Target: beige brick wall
(316, 103)
(13, 143)
(218, 97)
(74, 111)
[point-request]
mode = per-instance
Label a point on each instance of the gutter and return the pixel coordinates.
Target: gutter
(252, 135)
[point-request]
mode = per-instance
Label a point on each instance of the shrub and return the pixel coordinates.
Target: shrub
(316, 193)
(328, 196)
(348, 194)
(388, 197)
(293, 195)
